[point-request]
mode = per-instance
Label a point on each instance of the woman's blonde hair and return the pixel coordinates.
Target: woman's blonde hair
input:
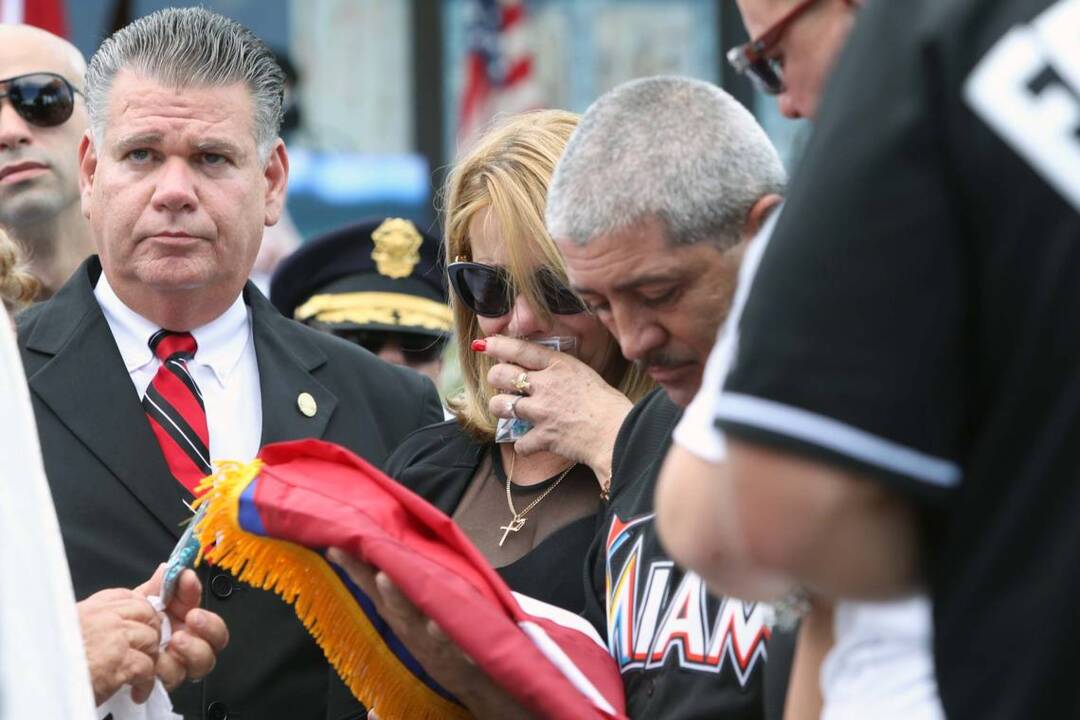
(507, 173)
(17, 287)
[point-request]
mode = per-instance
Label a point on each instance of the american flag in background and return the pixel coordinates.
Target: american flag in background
(45, 14)
(499, 74)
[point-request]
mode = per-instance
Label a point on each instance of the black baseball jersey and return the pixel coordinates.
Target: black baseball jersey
(683, 653)
(916, 315)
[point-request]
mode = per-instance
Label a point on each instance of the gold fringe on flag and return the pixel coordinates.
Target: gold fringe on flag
(305, 580)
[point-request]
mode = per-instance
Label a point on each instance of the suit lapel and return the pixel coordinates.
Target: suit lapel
(286, 363)
(87, 386)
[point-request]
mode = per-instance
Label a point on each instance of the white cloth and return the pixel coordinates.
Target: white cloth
(157, 706)
(882, 663)
(122, 707)
(43, 670)
(224, 368)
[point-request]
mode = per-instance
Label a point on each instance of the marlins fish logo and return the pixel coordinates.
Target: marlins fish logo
(659, 611)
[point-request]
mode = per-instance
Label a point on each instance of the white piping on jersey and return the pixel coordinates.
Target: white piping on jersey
(834, 435)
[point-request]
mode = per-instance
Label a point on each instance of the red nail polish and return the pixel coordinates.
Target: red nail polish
(479, 345)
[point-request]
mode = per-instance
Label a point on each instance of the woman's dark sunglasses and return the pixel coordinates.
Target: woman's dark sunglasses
(488, 291)
(42, 99)
(752, 58)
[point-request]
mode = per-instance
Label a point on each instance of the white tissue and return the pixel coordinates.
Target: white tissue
(158, 706)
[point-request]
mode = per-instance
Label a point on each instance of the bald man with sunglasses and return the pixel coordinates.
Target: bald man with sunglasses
(42, 119)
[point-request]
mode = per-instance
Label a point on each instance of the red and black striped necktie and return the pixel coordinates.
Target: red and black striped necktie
(175, 408)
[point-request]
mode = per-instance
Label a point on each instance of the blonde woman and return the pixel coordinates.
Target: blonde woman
(531, 513)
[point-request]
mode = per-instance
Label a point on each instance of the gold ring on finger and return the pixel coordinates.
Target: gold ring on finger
(522, 383)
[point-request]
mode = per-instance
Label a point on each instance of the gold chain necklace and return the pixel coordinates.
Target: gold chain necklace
(518, 520)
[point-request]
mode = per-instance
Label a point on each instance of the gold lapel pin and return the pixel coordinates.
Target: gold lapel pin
(307, 404)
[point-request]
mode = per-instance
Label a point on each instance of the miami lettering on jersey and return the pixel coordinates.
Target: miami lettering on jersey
(648, 620)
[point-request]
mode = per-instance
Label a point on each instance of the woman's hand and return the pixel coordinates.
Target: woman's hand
(574, 412)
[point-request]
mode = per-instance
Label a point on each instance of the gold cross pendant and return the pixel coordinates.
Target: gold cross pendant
(516, 523)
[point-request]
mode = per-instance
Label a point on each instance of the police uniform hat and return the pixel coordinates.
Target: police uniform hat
(376, 275)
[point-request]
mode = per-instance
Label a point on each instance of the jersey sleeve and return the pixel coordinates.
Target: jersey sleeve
(851, 343)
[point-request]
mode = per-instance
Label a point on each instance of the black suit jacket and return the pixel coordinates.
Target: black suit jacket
(120, 509)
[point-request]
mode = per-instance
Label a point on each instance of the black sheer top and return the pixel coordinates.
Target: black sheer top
(465, 479)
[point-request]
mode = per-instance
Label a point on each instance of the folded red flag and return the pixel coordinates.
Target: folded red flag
(269, 522)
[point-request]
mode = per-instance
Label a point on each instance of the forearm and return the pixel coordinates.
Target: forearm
(602, 456)
(814, 641)
(760, 522)
(836, 532)
(699, 533)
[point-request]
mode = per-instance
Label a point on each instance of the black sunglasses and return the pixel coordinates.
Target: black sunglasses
(752, 58)
(416, 347)
(42, 99)
(488, 291)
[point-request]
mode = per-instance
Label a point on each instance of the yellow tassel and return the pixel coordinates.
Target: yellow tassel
(324, 605)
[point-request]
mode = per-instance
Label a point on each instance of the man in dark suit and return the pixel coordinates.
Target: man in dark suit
(157, 357)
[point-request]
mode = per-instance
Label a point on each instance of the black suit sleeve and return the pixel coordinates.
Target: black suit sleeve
(431, 409)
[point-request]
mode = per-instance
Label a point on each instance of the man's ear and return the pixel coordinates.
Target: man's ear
(277, 181)
(87, 169)
(759, 213)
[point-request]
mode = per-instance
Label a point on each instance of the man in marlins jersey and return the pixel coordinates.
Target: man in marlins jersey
(653, 243)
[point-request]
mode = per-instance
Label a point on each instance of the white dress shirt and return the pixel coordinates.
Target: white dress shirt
(224, 368)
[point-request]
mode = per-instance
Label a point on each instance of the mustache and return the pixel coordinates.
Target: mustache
(660, 359)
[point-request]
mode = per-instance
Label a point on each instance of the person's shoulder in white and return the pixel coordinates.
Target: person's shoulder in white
(52, 681)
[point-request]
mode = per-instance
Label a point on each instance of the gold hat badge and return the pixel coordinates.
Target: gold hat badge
(397, 247)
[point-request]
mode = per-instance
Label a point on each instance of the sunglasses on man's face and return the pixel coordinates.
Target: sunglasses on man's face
(42, 99)
(416, 348)
(752, 58)
(488, 291)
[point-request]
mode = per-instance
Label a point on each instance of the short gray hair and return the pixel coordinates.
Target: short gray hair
(183, 47)
(680, 150)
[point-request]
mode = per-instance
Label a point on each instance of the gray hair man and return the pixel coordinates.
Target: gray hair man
(42, 119)
(660, 189)
(158, 358)
(653, 204)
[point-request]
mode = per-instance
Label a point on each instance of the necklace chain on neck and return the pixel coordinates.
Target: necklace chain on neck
(517, 521)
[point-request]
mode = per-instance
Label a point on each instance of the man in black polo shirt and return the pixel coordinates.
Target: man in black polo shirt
(900, 402)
